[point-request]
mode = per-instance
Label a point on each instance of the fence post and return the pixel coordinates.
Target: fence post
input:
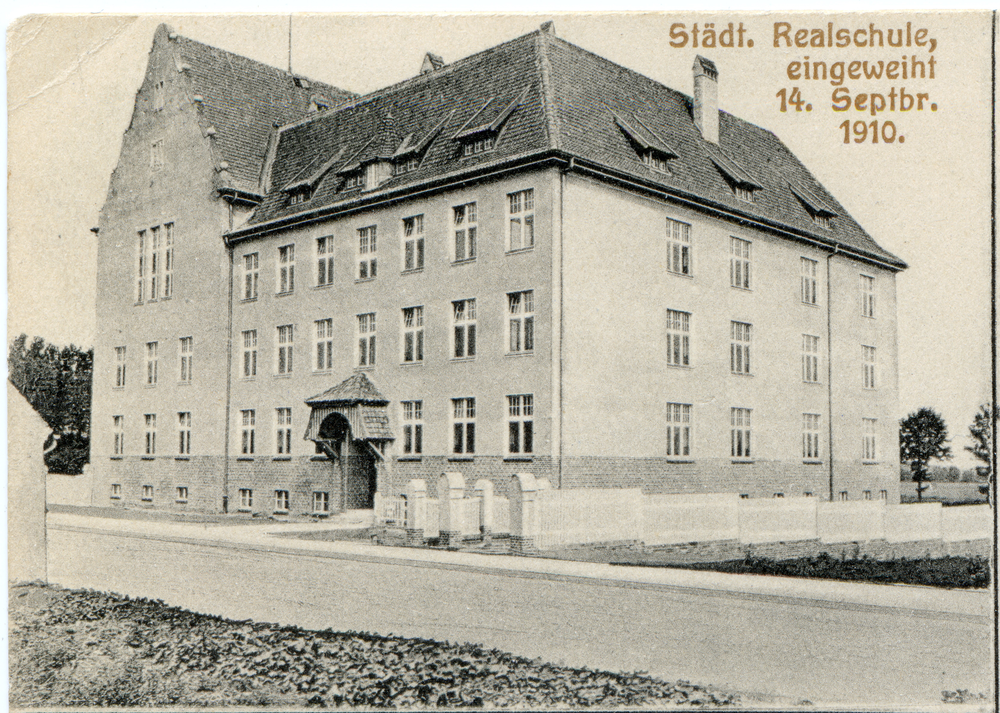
(484, 491)
(416, 511)
(451, 490)
(523, 511)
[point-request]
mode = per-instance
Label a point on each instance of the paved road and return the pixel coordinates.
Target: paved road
(876, 646)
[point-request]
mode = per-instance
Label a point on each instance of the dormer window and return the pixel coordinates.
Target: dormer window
(650, 148)
(822, 221)
(406, 165)
(480, 145)
(743, 193)
(743, 186)
(318, 102)
(656, 161)
(821, 213)
(355, 180)
(482, 131)
(299, 196)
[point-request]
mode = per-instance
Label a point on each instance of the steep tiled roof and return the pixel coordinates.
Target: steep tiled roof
(355, 389)
(541, 96)
(242, 100)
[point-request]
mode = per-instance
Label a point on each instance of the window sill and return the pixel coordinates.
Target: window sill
(813, 383)
(148, 457)
(412, 271)
(321, 514)
(518, 459)
(324, 286)
(181, 458)
(810, 304)
(360, 280)
(322, 372)
(409, 459)
(116, 497)
(411, 363)
(466, 261)
(146, 500)
(116, 457)
(149, 386)
(686, 275)
(286, 375)
(248, 459)
(461, 459)
(742, 289)
(671, 459)
(282, 458)
(738, 373)
(809, 461)
(365, 367)
(284, 294)
(319, 459)
(517, 251)
(184, 383)
(869, 462)
(279, 512)
(181, 502)
(248, 299)
(248, 378)
(526, 353)
(460, 359)
(680, 366)
(742, 461)
(117, 388)
(868, 389)
(244, 509)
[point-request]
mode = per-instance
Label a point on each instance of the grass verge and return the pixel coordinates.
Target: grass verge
(85, 648)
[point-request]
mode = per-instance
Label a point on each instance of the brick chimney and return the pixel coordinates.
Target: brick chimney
(706, 98)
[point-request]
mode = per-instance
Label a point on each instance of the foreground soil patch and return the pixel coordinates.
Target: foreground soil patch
(951, 572)
(72, 648)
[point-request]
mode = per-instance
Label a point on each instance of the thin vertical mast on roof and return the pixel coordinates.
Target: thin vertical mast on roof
(289, 44)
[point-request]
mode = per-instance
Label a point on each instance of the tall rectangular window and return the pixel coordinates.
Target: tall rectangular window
(867, 296)
(119, 367)
(520, 424)
(159, 95)
(147, 493)
(413, 335)
(283, 424)
(187, 358)
(868, 367)
(246, 498)
(324, 344)
(678, 247)
(366, 339)
(739, 419)
(808, 270)
(678, 430)
(152, 363)
(116, 491)
(739, 263)
(413, 243)
(286, 269)
(119, 432)
(286, 337)
(324, 261)
(281, 500)
(154, 262)
(249, 353)
(413, 427)
(464, 318)
(168, 260)
(150, 434)
(521, 215)
(251, 271)
(140, 266)
(156, 159)
(184, 433)
(367, 246)
(739, 348)
(182, 494)
(321, 502)
(810, 358)
(869, 427)
(463, 424)
(465, 225)
(810, 436)
(521, 321)
(678, 338)
(248, 419)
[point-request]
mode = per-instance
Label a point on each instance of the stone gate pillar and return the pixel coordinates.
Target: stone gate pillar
(451, 491)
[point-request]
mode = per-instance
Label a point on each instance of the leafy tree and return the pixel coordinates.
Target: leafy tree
(56, 382)
(981, 433)
(922, 435)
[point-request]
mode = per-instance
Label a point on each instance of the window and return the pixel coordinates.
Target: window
(406, 165)
(521, 207)
(810, 359)
(521, 321)
(246, 498)
(678, 430)
(159, 98)
(413, 427)
(251, 266)
(151, 363)
(156, 155)
(140, 266)
(154, 262)
(283, 421)
(356, 179)
(119, 432)
(843, 495)
(184, 432)
(366, 339)
(678, 338)
(656, 161)
(739, 263)
(520, 424)
(119, 367)
(413, 335)
(147, 493)
(743, 193)
(866, 494)
(463, 418)
(869, 454)
(168, 261)
(868, 367)
(867, 296)
(465, 225)
(187, 355)
(182, 494)
(779, 495)
(413, 243)
(249, 353)
(480, 145)
(464, 314)
(367, 261)
(883, 495)
(248, 420)
(324, 261)
(281, 500)
(116, 491)
(321, 502)
(678, 247)
(808, 269)
(286, 335)
(739, 349)
(324, 344)
(810, 436)
(740, 432)
(150, 434)
(300, 195)
(286, 269)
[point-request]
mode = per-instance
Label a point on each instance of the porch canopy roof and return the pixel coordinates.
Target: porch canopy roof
(357, 399)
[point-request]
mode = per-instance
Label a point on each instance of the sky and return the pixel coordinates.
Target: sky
(72, 82)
